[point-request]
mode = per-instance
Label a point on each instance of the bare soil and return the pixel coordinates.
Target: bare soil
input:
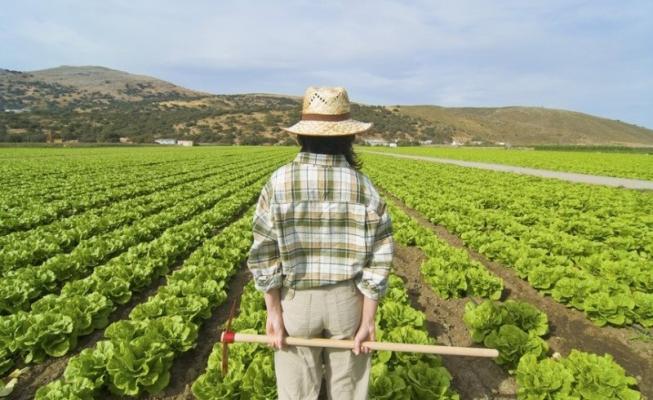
(53, 368)
(569, 328)
(189, 366)
(473, 378)
(50, 370)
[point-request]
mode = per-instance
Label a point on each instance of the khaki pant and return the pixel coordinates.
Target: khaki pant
(332, 311)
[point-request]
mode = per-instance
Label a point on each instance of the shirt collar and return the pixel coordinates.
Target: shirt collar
(328, 160)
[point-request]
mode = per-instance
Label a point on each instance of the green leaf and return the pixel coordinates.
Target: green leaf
(513, 343)
(482, 319)
(527, 317)
(547, 379)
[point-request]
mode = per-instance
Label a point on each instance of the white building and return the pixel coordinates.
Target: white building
(187, 143)
(376, 142)
(166, 141)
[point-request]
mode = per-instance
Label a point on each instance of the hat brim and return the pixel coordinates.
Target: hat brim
(329, 128)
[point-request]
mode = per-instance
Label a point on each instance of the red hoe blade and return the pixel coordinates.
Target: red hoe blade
(227, 337)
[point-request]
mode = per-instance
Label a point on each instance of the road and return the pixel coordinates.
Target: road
(543, 173)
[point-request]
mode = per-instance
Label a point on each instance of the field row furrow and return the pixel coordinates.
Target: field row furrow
(138, 352)
(20, 288)
(32, 247)
(54, 323)
(73, 186)
(515, 328)
(33, 214)
(449, 271)
(612, 283)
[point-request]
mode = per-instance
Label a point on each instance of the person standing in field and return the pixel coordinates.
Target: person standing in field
(322, 252)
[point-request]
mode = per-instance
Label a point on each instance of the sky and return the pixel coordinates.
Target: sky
(592, 56)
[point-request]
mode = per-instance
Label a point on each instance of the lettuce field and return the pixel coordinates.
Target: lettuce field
(118, 266)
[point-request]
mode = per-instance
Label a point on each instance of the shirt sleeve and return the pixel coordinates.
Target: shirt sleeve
(264, 261)
(373, 282)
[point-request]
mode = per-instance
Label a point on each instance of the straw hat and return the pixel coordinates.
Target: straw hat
(325, 112)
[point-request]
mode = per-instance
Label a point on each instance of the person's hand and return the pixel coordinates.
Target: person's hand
(367, 329)
(274, 327)
(275, 330)
(366, 332)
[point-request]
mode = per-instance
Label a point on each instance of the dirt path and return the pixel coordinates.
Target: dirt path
(569, 328)
(473, 378)
(42, 374)
(190, 365)
(543, 173)
(53, 368)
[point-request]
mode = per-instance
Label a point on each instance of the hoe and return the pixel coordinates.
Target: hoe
(228, 336)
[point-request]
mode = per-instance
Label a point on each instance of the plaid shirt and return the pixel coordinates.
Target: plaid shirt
(317, 222)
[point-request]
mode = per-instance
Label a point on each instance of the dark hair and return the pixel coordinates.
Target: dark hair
(343, 145)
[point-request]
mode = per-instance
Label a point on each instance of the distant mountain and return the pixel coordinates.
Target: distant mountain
(116, 83)
(532, 125)
(98, 104)
(66, 85)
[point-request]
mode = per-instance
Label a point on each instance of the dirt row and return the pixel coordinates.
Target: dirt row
(472, 378)
(189, 366)
(186, 369)
(53, 368)
(41, 374)
(569, 328)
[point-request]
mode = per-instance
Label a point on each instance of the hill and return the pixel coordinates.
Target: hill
(532, 125)
(98, 104)
(119, 84)
(81, 86)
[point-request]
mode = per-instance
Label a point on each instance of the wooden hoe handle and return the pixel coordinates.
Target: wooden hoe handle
(230, 337)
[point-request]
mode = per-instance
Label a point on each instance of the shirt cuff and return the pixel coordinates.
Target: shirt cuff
(268, 282)
(371, 289)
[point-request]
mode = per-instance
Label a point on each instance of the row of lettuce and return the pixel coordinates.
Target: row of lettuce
(394, 375)
(627, 165)
(589, 247)
(136, 355)
(47, 167)
(27, 211)
(69, 184)
(33, 247)
(22, 287)
(515, 328)
(51, 325)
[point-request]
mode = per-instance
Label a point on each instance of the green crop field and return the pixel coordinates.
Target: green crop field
(625, 165)
(118, 267)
